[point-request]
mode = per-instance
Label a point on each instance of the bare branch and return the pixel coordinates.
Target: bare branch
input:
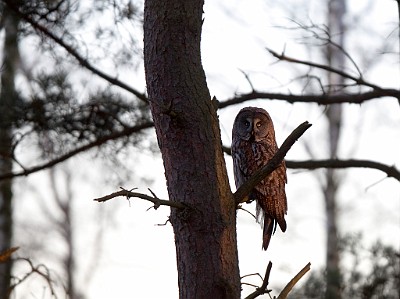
(98, 142)
(247, 211)
(155, 200)
(256, 178)
(247, 78)
(321, 99)
(263, 289)
(327, 68)
(290, 285)
(391, 171)
(34, 270)
(321, 32)
(82, 61)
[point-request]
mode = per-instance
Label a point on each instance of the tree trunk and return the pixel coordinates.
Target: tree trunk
(8, 99)
(64, 201)
(189, 139)
(335, 57)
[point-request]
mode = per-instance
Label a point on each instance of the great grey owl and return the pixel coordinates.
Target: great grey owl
(253, 145)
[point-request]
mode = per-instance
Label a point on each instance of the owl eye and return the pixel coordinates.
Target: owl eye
(258, 124)
(246, 123)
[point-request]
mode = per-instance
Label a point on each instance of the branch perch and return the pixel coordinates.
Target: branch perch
(290, 285)
(155, 200)
(260, 174)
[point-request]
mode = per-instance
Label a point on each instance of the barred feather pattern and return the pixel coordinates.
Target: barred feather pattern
(252, 148)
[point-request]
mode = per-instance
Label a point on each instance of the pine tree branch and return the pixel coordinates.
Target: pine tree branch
(259, 175)
(78, 150)
(73, 52)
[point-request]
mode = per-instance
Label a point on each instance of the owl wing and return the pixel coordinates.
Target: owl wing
(243, 163)
(270, 193)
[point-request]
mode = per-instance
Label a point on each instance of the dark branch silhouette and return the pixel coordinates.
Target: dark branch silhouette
(291, 283)
(155, 200)
(78, 150)
(263, 289)
(390, 171)
(40, 270)
(286, 290)
(359, 80)
(241, 194)
(321, 99)
(73, 52)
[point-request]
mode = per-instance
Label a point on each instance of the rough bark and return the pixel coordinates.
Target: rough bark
(189, 139)
(8, 99)
(336, 27)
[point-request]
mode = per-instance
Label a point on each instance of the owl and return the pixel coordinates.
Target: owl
(253, 145)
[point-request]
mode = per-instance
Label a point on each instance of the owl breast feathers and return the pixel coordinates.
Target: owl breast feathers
(253, 145)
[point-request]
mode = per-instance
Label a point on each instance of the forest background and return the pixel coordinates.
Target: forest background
(79, 83)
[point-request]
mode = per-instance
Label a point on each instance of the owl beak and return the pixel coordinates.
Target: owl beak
(252, 137)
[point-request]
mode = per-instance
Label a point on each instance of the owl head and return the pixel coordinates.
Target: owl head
(253, 124)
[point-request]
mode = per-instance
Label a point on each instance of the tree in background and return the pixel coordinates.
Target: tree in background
(187, 127)
(8, 98)
(378, 278)
(43, 109)
(335, 59)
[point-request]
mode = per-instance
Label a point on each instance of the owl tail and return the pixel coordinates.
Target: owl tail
(267, 231)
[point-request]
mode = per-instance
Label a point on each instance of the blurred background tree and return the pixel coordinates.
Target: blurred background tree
(52, 108)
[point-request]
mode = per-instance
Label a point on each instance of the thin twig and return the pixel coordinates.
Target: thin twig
(248, 79)
(358, 80)
(263, 289)
(326, 40)
(155, 200)
(243, 209)
(252, 274)
(33, 269)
